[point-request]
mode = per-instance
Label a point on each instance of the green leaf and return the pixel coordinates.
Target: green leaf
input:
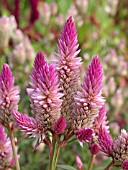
(67, 167)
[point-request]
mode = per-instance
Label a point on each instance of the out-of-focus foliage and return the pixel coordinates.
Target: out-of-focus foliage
(102, 29)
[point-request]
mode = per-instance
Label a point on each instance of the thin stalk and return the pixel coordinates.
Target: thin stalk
(109, 166)
(14, 148)
(91, 162)
(54, 157)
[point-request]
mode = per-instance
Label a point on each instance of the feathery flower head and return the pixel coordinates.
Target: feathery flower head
(83, 134)
(44, 93)
(79, 163)
(89, 100)
(68, 67)
(94, 149)
(28, 124)
(6, 154)
(60, 125)
(120, 151)
(106, 143)
(9, 95)
(124, 165)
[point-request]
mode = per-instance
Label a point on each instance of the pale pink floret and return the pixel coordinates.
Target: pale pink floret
(9, 95)
(68, 67)
(79, 163)
(106, 142)
(6, 154)
(60, 125)
(89, 100)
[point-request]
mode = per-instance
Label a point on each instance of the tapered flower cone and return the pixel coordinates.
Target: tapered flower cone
(44, 93)
(89, 100)
(9, 96)
(68, 67)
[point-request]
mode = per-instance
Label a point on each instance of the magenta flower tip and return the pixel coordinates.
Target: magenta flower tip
(93, 79)
(79, 163)
(94, 149)
(60, 125)
(124, 165)
(6, 78)
(39, 60)
(83, 134)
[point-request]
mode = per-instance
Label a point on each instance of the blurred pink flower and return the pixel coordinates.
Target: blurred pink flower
(9, 96)
(79, 163)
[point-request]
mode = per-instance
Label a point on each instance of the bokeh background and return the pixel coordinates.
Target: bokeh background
(102, 29)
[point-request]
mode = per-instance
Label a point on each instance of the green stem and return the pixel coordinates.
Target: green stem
(91, 162)
(14, 148)
(54, 157)
(109, 166)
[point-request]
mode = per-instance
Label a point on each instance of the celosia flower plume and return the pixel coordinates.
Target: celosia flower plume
(44, 92)
(9, 96)
(68, 67)
(45, 99)
(89, 100)
(106, 143)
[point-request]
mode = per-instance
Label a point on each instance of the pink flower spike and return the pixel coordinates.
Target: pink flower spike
(105, 141)
(124, 165)
(79, 163)
(44, 93)
(9, 96)
(60, 125)
(6, 153)
(94, 149)
(27, 124)
(89, 100)
(68, 67)
(83, 134)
